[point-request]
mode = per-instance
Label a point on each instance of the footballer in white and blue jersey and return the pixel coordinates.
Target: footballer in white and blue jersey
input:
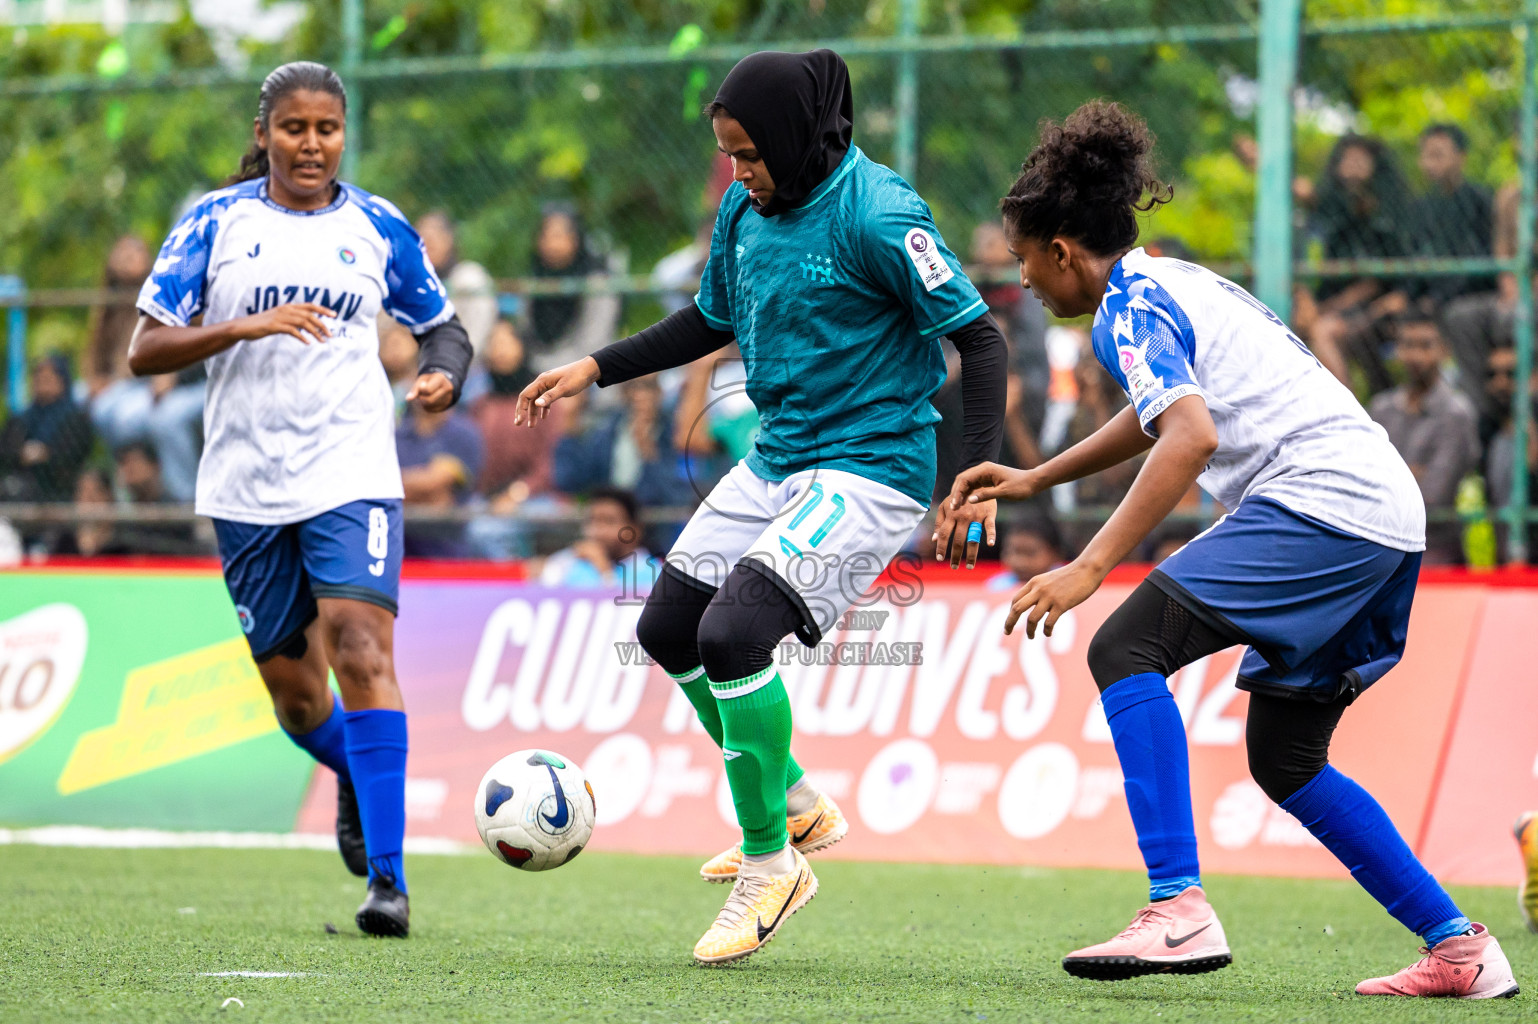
(1312, 569)
(275, 282)
(298, 438)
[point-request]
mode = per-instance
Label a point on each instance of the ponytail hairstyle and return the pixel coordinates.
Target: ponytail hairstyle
(290, 78)
(1087, 179)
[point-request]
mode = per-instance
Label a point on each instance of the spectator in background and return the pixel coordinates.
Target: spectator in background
(44, 445)
(562, 328)
(441, 455)
(141, 480)
(515, 458)
(677, 275)
(1032, 545)
(1099, 400)
(1019, 313)
(1065, 347)
(1362, 212)
(139, 474)
(630, 448)
(1453, 217)
(93, 534)
(1477, 325)
(470, 288)
(1433, 426)
(1022, 318)
(518, 459)
(398, 351)
(609, 552)
(714, 422)
(112, 323)
(165, 410)
(1019, 447)
(1497, 430)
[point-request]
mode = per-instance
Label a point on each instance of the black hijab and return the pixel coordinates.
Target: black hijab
(799, 111)
(553, 315)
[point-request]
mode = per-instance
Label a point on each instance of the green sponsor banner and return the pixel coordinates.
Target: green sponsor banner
(130, 700)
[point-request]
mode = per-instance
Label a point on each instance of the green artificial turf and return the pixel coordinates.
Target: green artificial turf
(126, 935)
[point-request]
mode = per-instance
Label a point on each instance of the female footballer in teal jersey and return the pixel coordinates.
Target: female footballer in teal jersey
(828, 270)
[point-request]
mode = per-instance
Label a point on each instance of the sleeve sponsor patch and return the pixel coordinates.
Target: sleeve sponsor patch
(925, 254)
(1141, 380)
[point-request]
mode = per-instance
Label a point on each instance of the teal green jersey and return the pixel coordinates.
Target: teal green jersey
(838, 307)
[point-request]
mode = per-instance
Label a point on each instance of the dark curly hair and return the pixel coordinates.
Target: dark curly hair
(1087, 179)
(289, 78)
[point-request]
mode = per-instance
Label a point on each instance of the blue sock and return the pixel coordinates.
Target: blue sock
(1351, 824)
(376, 753)
(327, 742)
(1151, 745)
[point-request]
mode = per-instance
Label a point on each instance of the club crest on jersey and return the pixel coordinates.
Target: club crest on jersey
(247, 620)
(817, 269)
(925, 254)
(347, 256)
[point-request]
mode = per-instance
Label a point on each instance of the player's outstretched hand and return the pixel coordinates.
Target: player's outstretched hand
(989, 481)
(1048, 596)
(433, 390)
(963, 530)
(302, 320)
(551, 386)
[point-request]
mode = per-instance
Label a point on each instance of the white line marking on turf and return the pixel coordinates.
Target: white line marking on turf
(225, 1005)
(154, 839)
(253, 974)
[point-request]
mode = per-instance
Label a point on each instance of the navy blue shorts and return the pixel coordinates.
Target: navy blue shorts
(275, 573)
(1325, 613)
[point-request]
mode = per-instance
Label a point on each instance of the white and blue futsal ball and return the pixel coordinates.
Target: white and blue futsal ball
(534, 810)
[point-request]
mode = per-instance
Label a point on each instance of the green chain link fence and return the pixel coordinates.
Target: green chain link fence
(490, 110)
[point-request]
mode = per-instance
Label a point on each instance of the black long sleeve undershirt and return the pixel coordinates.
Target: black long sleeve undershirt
(686, 335)
(446, 349)
(676, 339)
(984, 366)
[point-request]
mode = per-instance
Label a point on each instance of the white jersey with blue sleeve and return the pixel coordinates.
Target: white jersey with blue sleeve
(1287, 429)
(292, 430)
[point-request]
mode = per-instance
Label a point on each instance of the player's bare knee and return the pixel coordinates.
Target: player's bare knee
(299, 710)
(358, 657)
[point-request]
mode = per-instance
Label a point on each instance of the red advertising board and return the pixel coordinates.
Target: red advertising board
(945, 740)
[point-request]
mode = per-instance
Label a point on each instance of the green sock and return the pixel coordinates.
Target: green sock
(697, 688)
(756, 726)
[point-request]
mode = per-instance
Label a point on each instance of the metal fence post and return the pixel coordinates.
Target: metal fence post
(1280, 23)
(1527, 148)
(12, 291)
(352, 59)
(906, 101)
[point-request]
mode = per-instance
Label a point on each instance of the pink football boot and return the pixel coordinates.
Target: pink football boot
(1178, 936)
(1462, 967)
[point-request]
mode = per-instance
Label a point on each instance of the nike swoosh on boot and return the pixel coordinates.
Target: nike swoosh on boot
(798, 840)
(1172, 942)
(762, 931)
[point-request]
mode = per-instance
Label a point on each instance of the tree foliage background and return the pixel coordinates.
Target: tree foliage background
(625, 144)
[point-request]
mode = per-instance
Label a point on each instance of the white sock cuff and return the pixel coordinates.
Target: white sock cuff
(744, 686)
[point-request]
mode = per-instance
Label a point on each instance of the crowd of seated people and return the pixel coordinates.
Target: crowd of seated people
(1430, 356)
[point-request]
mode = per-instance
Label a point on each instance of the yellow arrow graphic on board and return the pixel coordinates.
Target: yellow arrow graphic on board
(173, 710)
